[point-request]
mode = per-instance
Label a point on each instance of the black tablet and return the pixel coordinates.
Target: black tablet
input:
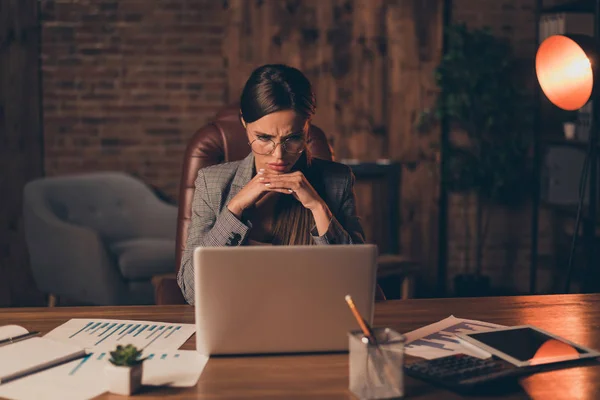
(527, 345)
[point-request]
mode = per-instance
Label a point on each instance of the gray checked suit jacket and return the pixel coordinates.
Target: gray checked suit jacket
(212, 223)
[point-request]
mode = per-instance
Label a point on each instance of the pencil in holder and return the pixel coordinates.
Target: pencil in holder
(376, 371)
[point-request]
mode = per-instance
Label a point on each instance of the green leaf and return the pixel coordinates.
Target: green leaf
(126, 356)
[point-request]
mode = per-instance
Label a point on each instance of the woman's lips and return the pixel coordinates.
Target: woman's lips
(278, 167)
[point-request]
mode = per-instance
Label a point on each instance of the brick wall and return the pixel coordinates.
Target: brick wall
(127, 82)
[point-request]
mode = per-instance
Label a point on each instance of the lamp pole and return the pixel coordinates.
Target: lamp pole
(568, 70)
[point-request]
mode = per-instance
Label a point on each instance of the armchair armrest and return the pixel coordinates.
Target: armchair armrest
(67, 259)
(166, 290)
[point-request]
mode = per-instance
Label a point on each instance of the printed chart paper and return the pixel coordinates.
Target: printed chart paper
(99, 334)
(438, 340)
(85, 379)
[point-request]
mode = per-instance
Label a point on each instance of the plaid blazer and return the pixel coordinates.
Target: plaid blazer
(212, 224)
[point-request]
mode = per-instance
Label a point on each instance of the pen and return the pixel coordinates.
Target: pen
(18, 338)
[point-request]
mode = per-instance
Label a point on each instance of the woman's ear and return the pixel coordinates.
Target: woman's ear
(242, 120)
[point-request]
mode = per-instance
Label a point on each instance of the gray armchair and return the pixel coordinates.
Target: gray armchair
(98, 238)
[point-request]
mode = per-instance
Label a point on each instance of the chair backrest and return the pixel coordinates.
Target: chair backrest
(115, 205)
(222, 140)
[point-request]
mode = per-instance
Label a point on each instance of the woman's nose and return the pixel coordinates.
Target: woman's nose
(278, 152)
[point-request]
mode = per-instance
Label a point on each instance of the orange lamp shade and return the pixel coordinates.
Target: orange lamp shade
(564, 72)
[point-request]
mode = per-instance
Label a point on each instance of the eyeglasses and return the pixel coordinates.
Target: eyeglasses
(264, 146)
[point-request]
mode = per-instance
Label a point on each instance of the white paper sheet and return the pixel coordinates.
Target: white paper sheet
(102, 334)
(8, 331)
(85, 379)
(438, 340)
(34, 353)
(179, 369)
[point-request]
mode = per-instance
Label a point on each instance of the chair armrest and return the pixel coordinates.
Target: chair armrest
(166, 290)
(67, 259)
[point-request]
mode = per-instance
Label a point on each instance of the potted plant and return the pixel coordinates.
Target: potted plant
(489, 116)
(124, 371)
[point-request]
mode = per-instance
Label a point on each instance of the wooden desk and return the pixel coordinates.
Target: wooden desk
(575, 317)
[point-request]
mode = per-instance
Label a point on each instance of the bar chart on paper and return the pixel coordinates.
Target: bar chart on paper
(98, 334)
(92, 358)
(180, 368)
(438, 339)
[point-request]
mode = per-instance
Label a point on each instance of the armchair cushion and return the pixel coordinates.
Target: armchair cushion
(141, 259)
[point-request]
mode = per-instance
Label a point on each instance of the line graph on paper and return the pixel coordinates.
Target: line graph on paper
(438, 340)
(107, 334)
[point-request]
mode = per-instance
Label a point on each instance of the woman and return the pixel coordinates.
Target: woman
(277, 195)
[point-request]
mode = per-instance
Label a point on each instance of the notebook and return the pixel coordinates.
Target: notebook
(32, 355)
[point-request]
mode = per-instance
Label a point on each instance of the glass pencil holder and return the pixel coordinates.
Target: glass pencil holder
(377, 372)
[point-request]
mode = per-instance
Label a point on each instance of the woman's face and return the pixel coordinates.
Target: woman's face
(279, 128)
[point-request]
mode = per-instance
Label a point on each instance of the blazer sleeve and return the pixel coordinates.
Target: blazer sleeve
(346, 227)
(208, 228)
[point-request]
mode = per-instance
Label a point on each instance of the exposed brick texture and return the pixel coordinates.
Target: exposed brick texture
(126, 83)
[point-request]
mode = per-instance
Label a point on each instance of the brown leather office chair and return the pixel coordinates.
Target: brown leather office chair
(222, 140)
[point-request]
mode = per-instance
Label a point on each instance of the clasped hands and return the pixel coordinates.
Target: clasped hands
(292, 183)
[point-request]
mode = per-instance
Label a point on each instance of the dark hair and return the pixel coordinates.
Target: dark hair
(276, 87)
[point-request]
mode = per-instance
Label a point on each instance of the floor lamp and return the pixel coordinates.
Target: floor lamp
(567, 68)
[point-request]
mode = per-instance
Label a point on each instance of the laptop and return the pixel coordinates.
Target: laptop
(281, 299)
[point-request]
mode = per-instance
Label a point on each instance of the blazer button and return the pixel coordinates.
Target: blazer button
(234, 239)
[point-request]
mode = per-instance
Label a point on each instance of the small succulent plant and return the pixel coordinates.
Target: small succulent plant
(126, 356)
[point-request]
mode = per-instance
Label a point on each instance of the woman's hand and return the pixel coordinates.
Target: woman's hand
(296, 184)
(249, 195)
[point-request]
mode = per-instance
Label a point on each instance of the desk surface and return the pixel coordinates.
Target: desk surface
(575, 317)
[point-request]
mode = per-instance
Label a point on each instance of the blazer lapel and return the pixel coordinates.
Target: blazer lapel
(243, 175)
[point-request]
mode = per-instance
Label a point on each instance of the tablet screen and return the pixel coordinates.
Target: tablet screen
(526, 344)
